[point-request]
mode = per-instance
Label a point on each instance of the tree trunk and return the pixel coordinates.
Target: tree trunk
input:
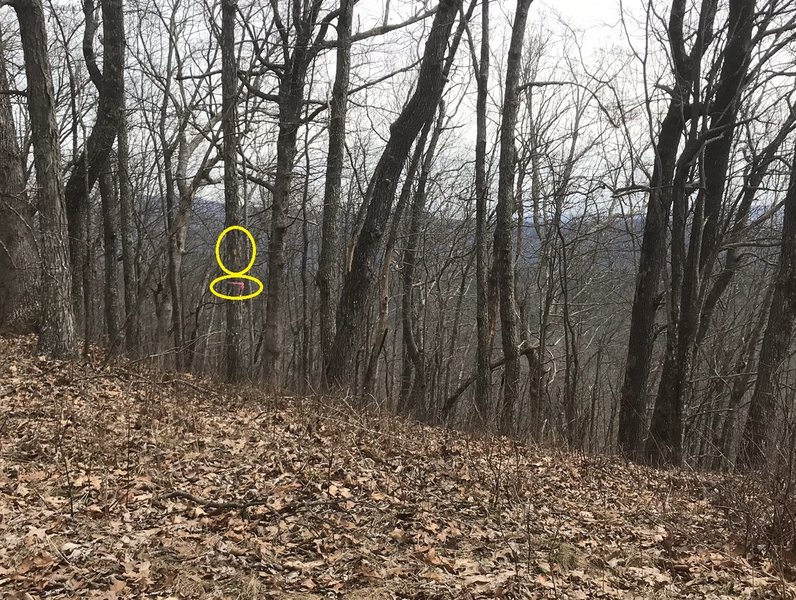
(306, 302)
(757, 438)
(235, 367)
(725, 440)
(111, 289)
(19, 269)
(358, 281)
(327, 277)
(298, 56)
(175, 249)
(413, 344)
(483, 354)
(753, 182)
(132, 326)
(93, 160)
(664, 445)
(633, 398)
(504, 256)
(131, 314)
(403, 200)
(57, 336)
(413, 373)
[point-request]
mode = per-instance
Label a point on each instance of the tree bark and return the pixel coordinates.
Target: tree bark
(57, 336)
(504, 255)
(414, 380)
(483, 374)
(298, 55)
(757, 437)
(93, 160)
(358, 281)
(633, 398)
(403, 200)
(110, 209)
(664, 445)
(327, 278)
(132, 325)
(19, 269)
(235, 367)
(753, 181)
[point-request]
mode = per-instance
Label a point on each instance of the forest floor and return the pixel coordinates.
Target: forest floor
(117, 482)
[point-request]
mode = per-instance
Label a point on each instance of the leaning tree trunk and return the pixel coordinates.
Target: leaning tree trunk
(389, 251)
(19, 269)
(57, 336)
(751, 189)
(757, 436)
(504, 256)
(358, 281)
(235, 367)
(414, 379)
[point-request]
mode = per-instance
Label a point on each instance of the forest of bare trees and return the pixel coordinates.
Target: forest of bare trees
(471, 213)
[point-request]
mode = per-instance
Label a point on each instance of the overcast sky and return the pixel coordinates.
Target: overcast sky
(585, 14)
(582, 14)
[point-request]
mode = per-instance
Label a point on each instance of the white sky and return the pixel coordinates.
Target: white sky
(581, 14)
(584, 14)
(596, 20)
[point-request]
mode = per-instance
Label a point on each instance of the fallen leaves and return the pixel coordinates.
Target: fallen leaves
(120, 484)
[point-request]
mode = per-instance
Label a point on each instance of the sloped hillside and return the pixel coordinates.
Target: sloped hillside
(118, 483)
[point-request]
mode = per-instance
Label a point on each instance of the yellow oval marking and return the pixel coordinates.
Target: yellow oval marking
(242, 274)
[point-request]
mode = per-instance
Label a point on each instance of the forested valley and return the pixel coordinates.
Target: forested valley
(398, 299)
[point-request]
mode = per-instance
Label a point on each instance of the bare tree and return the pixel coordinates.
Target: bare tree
(57, 336)
(690, 269)
(633, 406)
(483, 380)
(235, 363)
(776, 340)
(19, 307)
(327, 277)
(299, 48)
(504, 254)
(112, 77)
(132, 325)
(414, 391)
(358, 280)
(186, 134)
(93, 160)
(607, 195)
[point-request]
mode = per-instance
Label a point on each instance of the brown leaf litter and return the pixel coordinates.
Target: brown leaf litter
(121, 483)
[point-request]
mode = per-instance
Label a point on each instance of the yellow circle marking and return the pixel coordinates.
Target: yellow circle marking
(242, 274)
(218, 250)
